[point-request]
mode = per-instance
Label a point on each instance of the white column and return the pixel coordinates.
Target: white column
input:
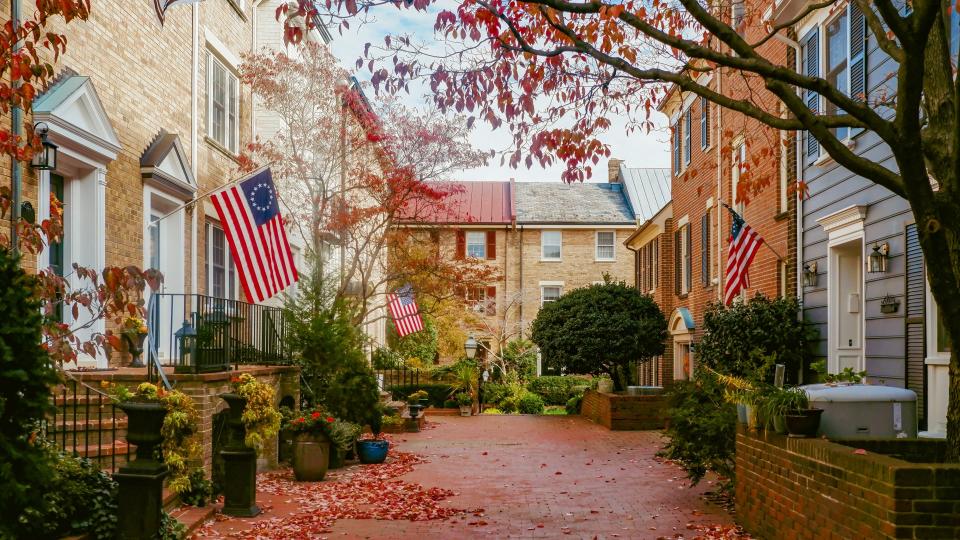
(100, 243)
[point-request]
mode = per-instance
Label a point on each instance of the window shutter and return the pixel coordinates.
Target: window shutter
(491, 245)
(705, 250)
(654, 262)
(461, 244)
(704, 123)
(811, 67)
(687, 136)
(915, 311)
(858, 53)
(689, 264)
(491, 300)
(676, 262)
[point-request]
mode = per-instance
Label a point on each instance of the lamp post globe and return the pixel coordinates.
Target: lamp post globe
(470, 347)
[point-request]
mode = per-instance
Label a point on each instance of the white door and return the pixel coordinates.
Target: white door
(164, 251)
(846, 299)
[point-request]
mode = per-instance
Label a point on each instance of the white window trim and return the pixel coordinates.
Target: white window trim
(686, 261)
(551, 284)
(466, 244)
(737, 157)
(544, 258)
(208, 252)
(596, 246)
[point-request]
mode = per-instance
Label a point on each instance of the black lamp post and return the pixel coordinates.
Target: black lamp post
(46, 158)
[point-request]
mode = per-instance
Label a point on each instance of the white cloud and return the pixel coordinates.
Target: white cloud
(637, 149)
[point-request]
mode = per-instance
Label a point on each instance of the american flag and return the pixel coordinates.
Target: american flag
(744, 243)
(253, 226)
(403, 309)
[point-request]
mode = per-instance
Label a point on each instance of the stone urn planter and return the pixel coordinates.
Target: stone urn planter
(134, 342)
(465, 410)
(311, 456)
(240, 464)
(140, 499)
(605, 386)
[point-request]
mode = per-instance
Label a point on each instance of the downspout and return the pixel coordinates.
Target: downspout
(16, 178)
(194, 126)
(798, 176)
(521, 280)
(719, 208)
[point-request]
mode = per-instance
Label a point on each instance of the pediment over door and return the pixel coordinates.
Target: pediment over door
(164, 165)
(78, 121)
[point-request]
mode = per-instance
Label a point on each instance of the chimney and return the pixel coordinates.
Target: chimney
(613, 170)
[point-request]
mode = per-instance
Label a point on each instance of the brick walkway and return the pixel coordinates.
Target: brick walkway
(540, 477)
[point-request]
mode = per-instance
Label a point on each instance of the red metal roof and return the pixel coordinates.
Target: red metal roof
(485, 202)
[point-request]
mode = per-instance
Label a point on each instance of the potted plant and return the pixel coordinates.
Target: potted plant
(134, 332)
(373, 448)
(777, 402)
(604, 384)
(146, 414)
(253, 420)
(802, 421)
(311, 444)
(413, 403)
(343, 436)
(465, 402)
(420, 397)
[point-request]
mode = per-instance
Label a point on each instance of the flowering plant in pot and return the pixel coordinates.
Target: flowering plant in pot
(134, 332)
(465, 402)
(311, 444)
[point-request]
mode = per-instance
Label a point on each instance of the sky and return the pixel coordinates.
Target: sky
(637, 150)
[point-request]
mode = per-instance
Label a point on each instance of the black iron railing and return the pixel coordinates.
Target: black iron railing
(200, 334)
(84, 422)
(397, 376)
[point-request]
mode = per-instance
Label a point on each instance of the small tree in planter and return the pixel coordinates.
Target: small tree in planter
(465, 402)
(600, 329)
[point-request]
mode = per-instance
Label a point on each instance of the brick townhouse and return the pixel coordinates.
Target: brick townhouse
(711, 150)
(544, 238)
(147, 114)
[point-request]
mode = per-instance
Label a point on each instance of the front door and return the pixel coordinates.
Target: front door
(846, 300)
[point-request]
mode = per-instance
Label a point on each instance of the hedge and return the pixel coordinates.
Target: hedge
(556, 390)
(439, 393)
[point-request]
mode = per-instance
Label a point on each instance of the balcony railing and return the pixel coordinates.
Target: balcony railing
(224, 333)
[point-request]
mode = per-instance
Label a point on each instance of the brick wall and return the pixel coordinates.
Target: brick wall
(815, 489)
(622, 412)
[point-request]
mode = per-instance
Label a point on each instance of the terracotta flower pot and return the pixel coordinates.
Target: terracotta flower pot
(144, 420)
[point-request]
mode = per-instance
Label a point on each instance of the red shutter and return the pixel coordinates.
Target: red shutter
(491, 245)
(461, 244)
(491, 300)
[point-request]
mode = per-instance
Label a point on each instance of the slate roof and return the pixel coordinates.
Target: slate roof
(648, 190)
(577, 203)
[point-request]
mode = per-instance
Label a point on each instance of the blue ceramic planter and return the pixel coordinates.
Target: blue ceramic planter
(373, 451)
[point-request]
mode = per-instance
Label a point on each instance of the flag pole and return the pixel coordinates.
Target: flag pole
(762, 239)
(209, 192)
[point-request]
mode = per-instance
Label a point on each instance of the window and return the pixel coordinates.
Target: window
(687, 136)
(677, 133)
(647, 257)
(154, 239)
(222, 104)
(605, 245)
(482, 299)
(736, 14)
(943, 339)
(737, 168)
(477, 244)
(682, 260)
(836, 64)
(550, 243)
(704, 123)
(705, 243)
(221, 274)
(550, 293)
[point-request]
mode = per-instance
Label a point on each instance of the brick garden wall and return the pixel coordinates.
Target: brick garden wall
(814, 488)
(622, 412)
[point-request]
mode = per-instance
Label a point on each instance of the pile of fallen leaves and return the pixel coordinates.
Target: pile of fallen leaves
(359, 492)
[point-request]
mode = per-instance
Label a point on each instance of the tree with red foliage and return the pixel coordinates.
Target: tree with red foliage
(345, 174)
(112, 293)
(528, 64)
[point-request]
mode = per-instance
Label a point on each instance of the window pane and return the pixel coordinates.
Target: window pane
(550, 244)
(232, 114)
(837, 63)
(218, 247)
(549, 294)
(477, 245)
(218, 101)
(154, 231)
(605, 242)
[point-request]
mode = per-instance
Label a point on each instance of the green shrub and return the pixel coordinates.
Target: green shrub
(556, 390)
(79, 499)
(702, 428)
(200, 491)
(727, 330)
(495, 392)
(384, 358)
(598, 329)
(492, 410)
(573, 404)
(171, 528)
(438, 393)
(26, 375)
(520, 357)
(530, 403)
(449, 404)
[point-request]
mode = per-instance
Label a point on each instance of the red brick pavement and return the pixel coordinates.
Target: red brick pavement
(538, 477)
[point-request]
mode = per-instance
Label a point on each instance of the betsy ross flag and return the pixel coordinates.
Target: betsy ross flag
(253, 226)
(744, 243)
(404, 311)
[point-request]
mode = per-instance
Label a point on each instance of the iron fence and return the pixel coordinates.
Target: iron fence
(397, 376)
(200, 334)
(86, 423)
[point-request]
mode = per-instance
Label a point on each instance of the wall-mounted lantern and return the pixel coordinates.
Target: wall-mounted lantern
(810, 274)
(879, 258)
(46, 158)
(186, 338)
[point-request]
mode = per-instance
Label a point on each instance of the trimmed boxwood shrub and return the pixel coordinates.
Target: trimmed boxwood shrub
(495, 392)
(438, 393)
(556, 390)
(530, 403)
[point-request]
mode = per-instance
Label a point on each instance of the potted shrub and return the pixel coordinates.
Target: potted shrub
(777, 402)
(465, 402)
(146, 414)
(373, 449)
(343, 436)
(604, 384)
(311, 444)
(134, 332)
(420, 397)
(802, 421)
(414, 403)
